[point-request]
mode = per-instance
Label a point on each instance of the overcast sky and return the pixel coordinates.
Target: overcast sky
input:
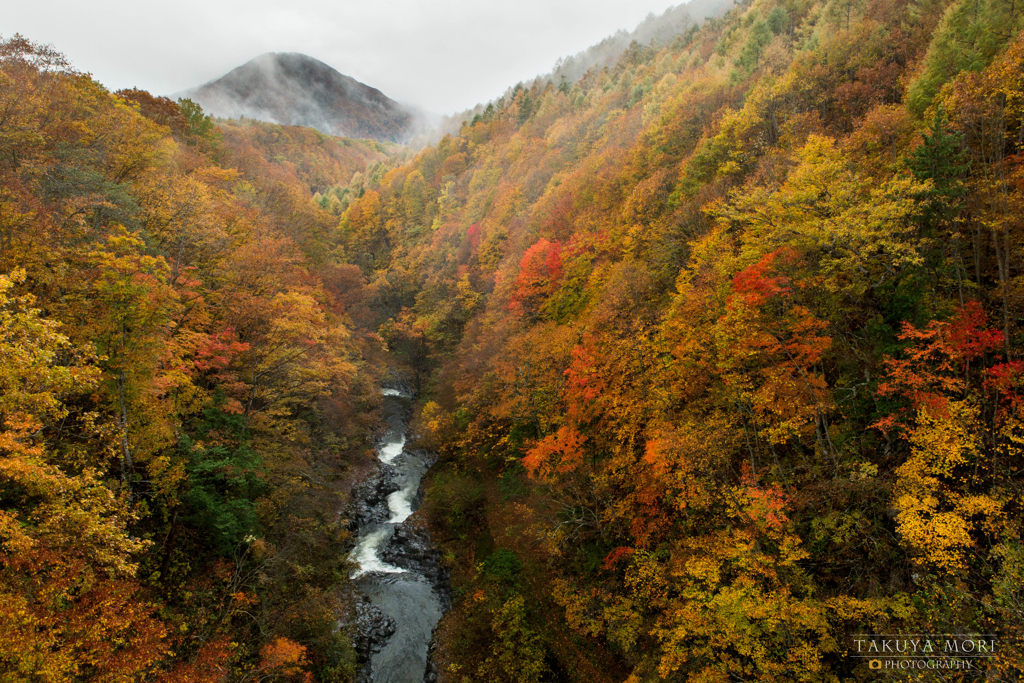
(444, 55)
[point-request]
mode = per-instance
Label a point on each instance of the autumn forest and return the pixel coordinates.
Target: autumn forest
(720, 349)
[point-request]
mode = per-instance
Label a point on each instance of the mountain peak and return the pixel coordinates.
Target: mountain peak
(291, 88)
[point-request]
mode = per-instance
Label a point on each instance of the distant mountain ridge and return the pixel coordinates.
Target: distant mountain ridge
(654, 30)
(290, 88)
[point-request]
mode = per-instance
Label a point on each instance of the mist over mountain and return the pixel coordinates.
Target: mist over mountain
(655, 29)
(295, 89)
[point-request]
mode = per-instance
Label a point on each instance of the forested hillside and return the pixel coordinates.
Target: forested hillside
(182, 394)
(721, 347)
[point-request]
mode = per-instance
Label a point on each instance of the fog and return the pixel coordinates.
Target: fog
(442, 56)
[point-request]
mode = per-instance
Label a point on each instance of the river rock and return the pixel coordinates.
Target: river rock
(370, 498)
(411, 549)
(373, 629)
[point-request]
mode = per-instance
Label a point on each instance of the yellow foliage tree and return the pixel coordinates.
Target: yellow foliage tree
(941, 506)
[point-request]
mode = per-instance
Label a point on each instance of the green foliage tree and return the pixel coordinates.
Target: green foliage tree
(517, 655)
(968, 38)
(758, 37)
(197, 124)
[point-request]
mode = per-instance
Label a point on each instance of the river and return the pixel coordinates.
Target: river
(397, 567)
